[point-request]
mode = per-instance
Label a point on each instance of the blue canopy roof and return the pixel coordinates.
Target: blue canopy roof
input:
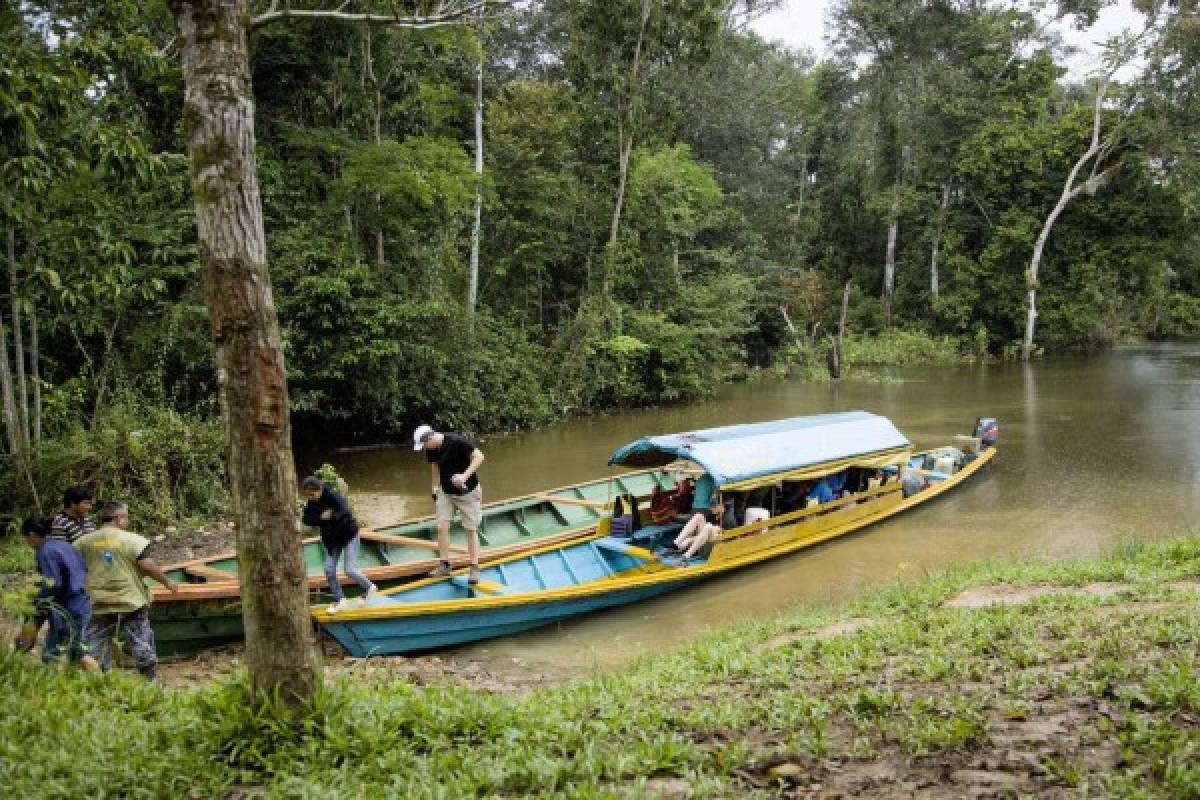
(741, 452)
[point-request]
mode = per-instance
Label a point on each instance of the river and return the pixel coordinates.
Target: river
(1092, 449)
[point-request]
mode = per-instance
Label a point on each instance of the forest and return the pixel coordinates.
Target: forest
(523, 211)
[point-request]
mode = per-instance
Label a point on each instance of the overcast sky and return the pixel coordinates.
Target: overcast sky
(801, 23)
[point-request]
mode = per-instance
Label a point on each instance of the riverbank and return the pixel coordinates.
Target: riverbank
(1050, 678)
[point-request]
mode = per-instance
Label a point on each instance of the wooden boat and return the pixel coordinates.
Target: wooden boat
(560, 581)
(207, 609)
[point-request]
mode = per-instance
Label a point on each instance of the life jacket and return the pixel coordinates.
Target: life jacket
(662, 506)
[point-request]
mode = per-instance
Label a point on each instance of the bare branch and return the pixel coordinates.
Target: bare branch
(451, 14)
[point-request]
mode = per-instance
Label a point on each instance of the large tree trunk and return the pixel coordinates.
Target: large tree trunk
(476, 227)
(934, 282)
(252, 387)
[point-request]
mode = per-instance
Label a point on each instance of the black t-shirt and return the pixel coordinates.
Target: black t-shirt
(453, 457)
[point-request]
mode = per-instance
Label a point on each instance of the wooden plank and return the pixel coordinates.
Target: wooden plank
(212, 573)
(572, 501)
(411, 541)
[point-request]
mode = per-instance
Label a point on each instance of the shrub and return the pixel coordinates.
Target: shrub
(167, 466)
(901, 348)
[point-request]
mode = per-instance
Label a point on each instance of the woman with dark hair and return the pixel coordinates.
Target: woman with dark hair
(330, 513)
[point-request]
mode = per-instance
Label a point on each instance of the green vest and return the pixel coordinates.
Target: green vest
(113, 580)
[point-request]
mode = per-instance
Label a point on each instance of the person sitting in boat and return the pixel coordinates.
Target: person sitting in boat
(704, 528)
(330, 513)
(793, 495)
(758, 501)
(821, 492)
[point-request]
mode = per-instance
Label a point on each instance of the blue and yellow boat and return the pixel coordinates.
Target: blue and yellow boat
(875, 466)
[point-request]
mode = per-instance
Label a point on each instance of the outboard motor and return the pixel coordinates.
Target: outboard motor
(987, 431)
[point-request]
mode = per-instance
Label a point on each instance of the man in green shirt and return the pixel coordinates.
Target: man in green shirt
(116, 560)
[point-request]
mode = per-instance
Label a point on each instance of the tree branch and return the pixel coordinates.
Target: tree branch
(446, 15)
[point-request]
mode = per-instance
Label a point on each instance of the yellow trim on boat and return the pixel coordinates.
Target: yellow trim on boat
(789, 539)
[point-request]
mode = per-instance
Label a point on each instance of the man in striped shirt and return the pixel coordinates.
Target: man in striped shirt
(73, 521)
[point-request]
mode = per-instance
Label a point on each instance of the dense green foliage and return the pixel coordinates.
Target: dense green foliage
(758, 184)
(1103, 687)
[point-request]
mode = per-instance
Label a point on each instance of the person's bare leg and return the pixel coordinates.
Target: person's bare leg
(692, 524)
(702, 537)
(443, 534)
(473, 551)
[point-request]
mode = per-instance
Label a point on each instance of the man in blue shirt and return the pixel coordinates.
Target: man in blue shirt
(61, 600)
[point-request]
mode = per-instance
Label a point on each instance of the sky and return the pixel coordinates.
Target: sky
(801, 23)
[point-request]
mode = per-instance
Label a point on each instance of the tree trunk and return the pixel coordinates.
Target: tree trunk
(21, 386)
(35, 357)
(252, 385)
(787, 320)
(6, 394)
(625, 131)
(476, 228)
(835, 359)
(1069, 192)
(889, 265)
(934, 283)
(377, 132)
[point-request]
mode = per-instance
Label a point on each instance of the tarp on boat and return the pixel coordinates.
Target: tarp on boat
(737, 453)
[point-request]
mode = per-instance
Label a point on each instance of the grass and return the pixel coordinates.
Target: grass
(1069, 693)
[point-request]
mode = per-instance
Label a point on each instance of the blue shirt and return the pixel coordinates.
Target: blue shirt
(64, 573)
(821, 491)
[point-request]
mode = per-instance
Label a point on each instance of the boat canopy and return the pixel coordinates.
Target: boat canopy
(782, 448)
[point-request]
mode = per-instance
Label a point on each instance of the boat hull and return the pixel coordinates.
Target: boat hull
(385, 627)
(429, 632)
(207, 610)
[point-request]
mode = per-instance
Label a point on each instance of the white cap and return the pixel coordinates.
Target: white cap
(419, 436)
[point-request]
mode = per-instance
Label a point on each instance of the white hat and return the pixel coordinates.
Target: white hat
(419, 436)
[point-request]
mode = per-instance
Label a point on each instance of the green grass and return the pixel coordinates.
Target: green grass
(927, 689)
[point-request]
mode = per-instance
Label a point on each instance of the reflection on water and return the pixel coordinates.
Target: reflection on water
(1092, 449)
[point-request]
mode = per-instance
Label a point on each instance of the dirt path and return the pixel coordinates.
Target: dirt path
(509, 677)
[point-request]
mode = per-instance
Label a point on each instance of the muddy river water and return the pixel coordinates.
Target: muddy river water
(1092, 450)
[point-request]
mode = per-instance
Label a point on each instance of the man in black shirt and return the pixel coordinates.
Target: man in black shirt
(453, 462)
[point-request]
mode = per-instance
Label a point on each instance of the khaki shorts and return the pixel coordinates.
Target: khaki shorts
(469, 505)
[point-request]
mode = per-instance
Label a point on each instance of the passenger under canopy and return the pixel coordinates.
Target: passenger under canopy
(742, 456)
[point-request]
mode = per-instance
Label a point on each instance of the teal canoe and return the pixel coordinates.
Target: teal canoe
(207, 609)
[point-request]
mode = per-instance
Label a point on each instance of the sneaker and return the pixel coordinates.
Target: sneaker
(440, 570)
(340, 605)
(473, 575)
